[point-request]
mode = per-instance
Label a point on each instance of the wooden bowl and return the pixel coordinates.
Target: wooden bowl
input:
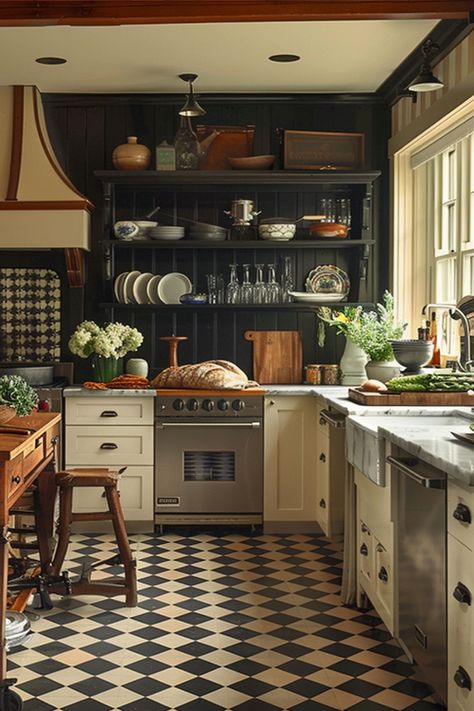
(252, 162)
(328, 230)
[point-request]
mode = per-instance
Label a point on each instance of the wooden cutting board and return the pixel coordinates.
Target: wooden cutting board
(277, 356)
(410, 398)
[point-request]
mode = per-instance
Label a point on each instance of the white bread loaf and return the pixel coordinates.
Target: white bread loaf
(212, 375)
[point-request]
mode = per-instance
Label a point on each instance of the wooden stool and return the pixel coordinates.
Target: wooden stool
(107, 478)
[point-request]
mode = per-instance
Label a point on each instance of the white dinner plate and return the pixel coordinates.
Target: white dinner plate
(172, 286)
(152, 290)
(118, 283)
(309, 298)
(127, 287)
(139, 288)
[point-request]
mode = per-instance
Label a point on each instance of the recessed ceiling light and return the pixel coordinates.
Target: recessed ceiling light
(284, 58)
(50, 60)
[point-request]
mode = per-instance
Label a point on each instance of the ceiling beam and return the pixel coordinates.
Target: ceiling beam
(113, 12)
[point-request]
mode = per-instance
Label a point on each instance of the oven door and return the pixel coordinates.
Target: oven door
(208, 467)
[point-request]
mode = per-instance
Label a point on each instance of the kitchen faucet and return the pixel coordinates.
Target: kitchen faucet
(466, 366)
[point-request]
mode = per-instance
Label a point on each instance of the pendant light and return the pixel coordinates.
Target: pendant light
(191, 106)
(425, 79)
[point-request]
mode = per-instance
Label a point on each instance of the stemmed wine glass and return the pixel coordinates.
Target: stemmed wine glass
(232, 291)
(287, 280)
(272, 287)
(246, 290)
(259, 285)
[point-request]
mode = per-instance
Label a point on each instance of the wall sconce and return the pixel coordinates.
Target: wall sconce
(191, 106)
(425, 79)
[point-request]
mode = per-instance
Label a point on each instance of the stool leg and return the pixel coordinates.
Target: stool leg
(115, 507)
(64, 528)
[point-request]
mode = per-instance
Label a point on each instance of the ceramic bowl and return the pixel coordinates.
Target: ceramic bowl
(126, 229)
(328, 230)
(280, 232)
(193, 299)
(412, 354)
(252, 162)
(144, 227)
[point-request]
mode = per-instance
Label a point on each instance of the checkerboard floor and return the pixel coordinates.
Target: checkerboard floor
(225, 621)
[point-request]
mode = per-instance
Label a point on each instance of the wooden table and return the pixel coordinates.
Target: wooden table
(23, 457)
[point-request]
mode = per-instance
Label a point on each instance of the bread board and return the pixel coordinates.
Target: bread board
(410, 398)
(277, 356)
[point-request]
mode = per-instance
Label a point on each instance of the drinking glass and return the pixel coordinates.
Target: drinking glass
(272, 287)
(246, 290)
(211, 289)
(220, 287)
(287, 280)
(232, 292)
(259, 286)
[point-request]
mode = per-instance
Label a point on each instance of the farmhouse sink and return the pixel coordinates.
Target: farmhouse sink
(365, 448)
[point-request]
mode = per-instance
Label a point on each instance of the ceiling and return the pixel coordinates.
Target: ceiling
(336, 56)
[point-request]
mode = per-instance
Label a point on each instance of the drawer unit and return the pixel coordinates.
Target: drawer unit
(460, 514)
(461, 626)
(109, 411)
(106, 446)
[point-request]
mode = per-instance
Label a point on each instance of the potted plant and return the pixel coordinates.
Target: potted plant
(353, 359)
(107, 346)
(16, 397)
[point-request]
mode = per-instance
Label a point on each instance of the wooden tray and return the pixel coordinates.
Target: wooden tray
(410, 398)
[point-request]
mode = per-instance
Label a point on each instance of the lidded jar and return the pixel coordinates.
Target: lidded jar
(131, 155)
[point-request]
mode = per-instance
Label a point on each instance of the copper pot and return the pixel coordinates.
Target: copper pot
(328, 230)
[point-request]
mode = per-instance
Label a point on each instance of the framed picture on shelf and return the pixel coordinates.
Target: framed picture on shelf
(323, 150)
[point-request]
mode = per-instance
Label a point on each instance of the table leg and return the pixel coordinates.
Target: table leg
(44, 499)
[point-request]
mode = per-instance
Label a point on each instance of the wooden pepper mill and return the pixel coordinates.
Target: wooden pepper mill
(173, 348)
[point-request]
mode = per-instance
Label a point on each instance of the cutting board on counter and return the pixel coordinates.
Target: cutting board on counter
(277, 356)
(410, 398)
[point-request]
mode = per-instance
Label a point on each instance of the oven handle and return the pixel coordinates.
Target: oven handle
(403, 465)
(332, 419)
(242, 425)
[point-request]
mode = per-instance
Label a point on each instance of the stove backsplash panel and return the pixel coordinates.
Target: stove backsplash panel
(30, 315)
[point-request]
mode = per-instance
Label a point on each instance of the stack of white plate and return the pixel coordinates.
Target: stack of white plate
(17, 629)
(145, 288)
(164, 232)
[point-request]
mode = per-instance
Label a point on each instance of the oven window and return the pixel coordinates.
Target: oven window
(209, 466)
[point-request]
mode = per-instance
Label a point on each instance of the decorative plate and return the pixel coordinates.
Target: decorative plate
(310, 298)
(139, 288)
(118, 284)
(328, 279)
(127, 287)
(172, 286)
(152, 290)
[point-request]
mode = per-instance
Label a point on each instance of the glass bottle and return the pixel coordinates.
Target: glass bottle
(246, 290)
(186, 145)
(232, 291)
(287, 280)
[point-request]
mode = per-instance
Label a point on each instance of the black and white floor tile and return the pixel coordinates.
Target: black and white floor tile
(225, 621)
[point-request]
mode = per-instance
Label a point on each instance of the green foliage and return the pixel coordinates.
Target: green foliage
(15, 392)
(433, 382)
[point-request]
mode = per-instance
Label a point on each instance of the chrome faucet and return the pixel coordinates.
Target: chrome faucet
(453, 312)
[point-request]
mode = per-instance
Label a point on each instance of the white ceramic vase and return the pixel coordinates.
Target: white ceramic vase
(382, 370)
(352, 364)
(137, 366)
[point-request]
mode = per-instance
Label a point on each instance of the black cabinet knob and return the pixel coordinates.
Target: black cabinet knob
(383, 575)
(462, 678)
(238, 405)
(462, 594)
(223, 405)
(322, 504)
(178, 404)
(109, 445)
(208, 405)
(193, 404)
(322, 457)
(364, 550)
(16, 479)
(322, 422)
(462, 513)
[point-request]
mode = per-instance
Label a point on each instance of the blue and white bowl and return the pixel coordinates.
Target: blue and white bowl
(193, 299)
(126, 229)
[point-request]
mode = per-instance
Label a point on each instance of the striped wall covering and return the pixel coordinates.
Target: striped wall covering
(451, 70)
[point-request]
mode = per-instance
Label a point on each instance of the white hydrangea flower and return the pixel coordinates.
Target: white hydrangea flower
(114, 340)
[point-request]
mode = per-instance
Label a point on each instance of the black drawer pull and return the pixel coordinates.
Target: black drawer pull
(364, 550)
(462, 679)
(322, 421)
(109, 413)
(364, 528)
(109, 445)
(322, 457)
(462, 594)
(462, 513)
(322, 504)
(383, 575)
(16, 479)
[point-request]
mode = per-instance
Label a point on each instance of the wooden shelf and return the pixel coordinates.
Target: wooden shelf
(236, 244)
(230, 307)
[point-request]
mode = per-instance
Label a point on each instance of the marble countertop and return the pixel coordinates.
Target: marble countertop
(435, 446)
(80, 391)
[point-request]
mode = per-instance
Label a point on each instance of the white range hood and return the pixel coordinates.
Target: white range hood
(39, 206)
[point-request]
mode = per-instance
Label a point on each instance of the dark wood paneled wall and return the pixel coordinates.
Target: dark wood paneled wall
(84, 130)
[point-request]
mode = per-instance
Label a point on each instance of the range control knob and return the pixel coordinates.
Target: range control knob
(223, 405)
(193, 404)
(238, 405)
(178, 404)
(208, 405)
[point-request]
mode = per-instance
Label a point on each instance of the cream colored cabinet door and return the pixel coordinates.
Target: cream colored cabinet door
(460, 593)
(290, 464)
(109, 446)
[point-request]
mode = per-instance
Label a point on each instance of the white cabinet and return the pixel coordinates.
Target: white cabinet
(330, 476)
(460, 594)
(114, 431)
(290, 464)
(375, 546)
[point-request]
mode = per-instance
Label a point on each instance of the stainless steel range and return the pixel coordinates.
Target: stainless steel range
(208, 457)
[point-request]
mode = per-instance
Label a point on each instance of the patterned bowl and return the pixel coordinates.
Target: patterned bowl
(280, 232)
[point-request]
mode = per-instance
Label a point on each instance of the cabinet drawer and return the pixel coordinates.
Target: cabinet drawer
(461, 622)
(128, 410)
(461, 514)
(103, 446)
